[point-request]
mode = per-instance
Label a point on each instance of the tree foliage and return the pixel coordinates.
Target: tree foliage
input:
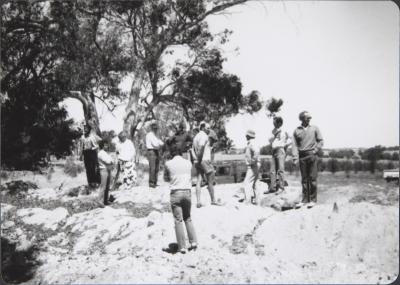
(33, 124)
(82, 49)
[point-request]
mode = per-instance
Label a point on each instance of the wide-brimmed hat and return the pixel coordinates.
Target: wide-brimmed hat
(251, 133)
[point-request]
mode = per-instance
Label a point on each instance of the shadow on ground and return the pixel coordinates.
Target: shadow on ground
(17, 266)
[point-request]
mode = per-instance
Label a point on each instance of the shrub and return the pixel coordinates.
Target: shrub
(71, 167)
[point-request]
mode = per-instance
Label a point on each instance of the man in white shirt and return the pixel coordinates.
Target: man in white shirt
(202, 150)
(279, 141)
(153, 145)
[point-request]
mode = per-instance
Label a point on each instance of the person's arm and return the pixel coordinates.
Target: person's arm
(167, 175)
(256, 157)
(319, 139)
(202, 148)
(295, 151)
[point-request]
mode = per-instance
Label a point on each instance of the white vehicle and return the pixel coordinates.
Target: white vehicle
(391, 174)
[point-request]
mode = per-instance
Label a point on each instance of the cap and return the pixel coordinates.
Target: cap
(251, 133)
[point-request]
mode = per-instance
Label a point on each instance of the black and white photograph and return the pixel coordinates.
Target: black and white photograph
(199, 142)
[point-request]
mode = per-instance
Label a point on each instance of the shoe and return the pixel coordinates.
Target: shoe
(298, 205)
(241, 200)
(199, 205)
(193, 246)
(183, 251)
(111, 199)
(216, 204)
(310, 205)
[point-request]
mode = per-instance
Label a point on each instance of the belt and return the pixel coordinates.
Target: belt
(178, 190)
(304, 153)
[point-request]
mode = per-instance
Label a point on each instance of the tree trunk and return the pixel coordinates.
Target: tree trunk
(135, 112)
(89, 109)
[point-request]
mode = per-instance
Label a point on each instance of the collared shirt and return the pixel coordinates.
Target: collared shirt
(126, 150)
(152, 141)
(306, 139)
(252, 153)
(178, 173)
(279, 138)
(104, 159)
(90, 142)
(201, 141)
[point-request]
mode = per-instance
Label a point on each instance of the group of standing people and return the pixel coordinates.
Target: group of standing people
(99, 163)
(189, 155)
(306, 143)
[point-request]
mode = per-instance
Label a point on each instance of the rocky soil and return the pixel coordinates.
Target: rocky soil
(56, 235)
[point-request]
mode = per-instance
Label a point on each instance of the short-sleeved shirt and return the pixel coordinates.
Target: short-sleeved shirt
(104, 159)
(280, 138)
(252, 153)
(200, 140)
(152, 141)
(178, 172)
(126, 150)
(90, 142)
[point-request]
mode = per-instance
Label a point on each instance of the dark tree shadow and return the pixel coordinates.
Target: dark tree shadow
(17, 266)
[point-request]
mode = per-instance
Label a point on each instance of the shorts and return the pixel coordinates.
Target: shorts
(204, 167)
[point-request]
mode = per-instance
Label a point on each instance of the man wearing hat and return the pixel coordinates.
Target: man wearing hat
(202, 162)
(307, 141)
(252, 154)
(153, 145)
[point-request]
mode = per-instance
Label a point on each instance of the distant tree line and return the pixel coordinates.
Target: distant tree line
(334, 165)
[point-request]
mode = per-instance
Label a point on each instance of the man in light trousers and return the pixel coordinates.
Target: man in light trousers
(279, 141)
(252, 153)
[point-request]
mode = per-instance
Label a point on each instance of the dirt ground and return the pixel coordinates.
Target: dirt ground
(55, 235)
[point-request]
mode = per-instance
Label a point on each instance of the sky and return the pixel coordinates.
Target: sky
(339, 60)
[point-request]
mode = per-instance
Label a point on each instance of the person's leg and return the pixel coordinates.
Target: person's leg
(256, 195)
(313, 178)
(186, 207)
(152, 167)
(304, 179)
(248, 184)
(103, 185)
(92, 167)
(178, 219)
(198, 185)
(157, 167)
(107, 190)
(272, 185)
(86, 161)
(210, 180)
(97, 176)
(280, 169)
(116, 176)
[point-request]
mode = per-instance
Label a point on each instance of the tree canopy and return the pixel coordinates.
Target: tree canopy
(83, 49)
